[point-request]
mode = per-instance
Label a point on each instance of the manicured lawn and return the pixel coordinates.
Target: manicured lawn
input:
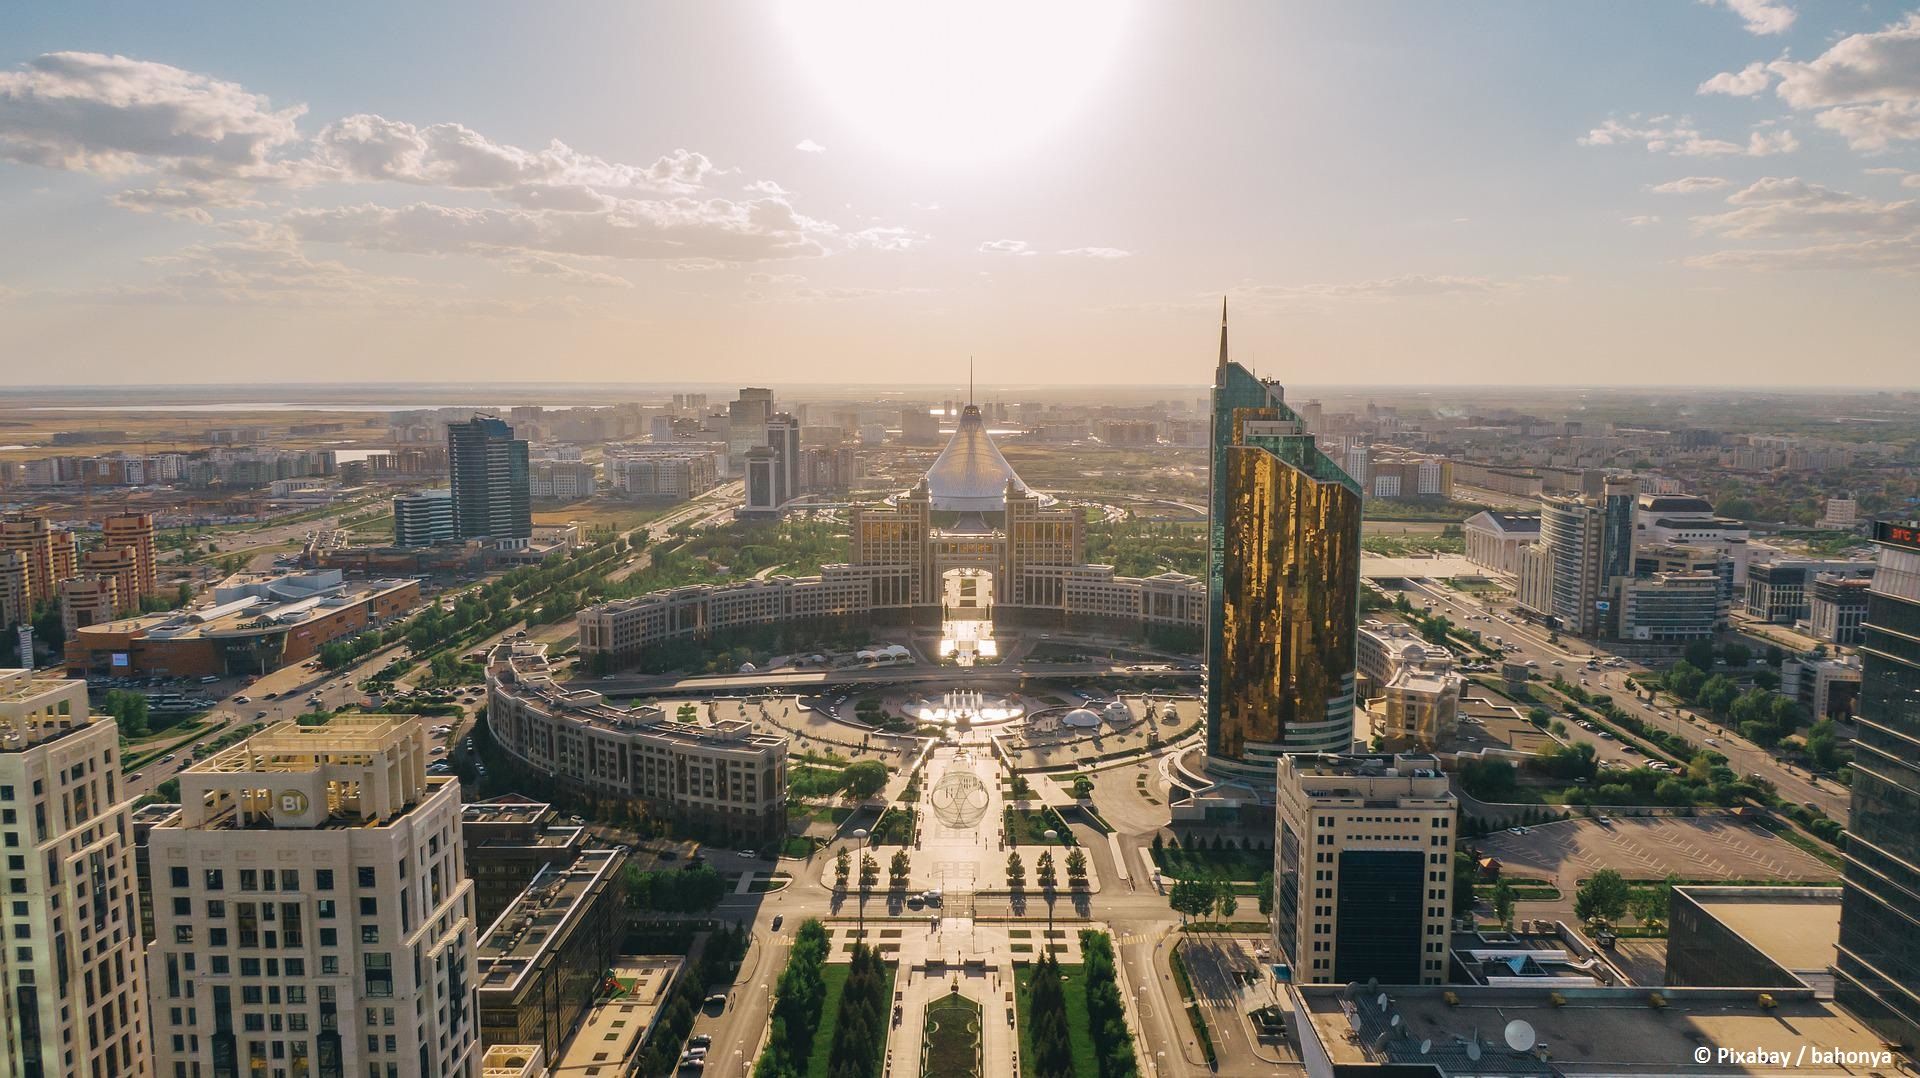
(1086, 1056)
(1030, 828)
(834, 974)
(1185, 864)
(952, 1038)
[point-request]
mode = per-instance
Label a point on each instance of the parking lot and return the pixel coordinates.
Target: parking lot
(1712, 847)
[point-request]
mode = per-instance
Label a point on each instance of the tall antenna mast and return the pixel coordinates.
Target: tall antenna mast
(970, 380)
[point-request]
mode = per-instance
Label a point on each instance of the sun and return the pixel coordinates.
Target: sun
(956, 83)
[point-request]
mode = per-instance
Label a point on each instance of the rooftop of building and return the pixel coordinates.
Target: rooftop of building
(1718, 524)
(1578, 1031)
(352, 771)
(1547, 955)
(540, 917)
(513, 1061)
(36, 708)
(1673, 503)
(1796, 927)
(970, 475)
(520, 668)
(614, 1028)
(1526, 523)
(253, 602)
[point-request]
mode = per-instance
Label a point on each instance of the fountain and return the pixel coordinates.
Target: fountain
(964, 708)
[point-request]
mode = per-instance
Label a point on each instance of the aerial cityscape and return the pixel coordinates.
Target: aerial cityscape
(904, 585)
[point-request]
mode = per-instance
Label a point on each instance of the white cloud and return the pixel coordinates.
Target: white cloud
(536, 266)
(807, 145)
(1867, 85)
(1687, 185)
(1776, 207)
(1006, 247)
(1403, 286)
(767, 187)
(676, 229)
(1745, 82)
(1104, 253)
(111, 115)
(1641, 220)
(881, 238)
(187, 200)
(1853, 231)
(762, 277)
(366, 147)
(1680, 138)
(1762, 17)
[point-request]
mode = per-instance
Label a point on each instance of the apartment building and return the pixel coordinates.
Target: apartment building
(312, 911)
(718, 779)
(73, 998)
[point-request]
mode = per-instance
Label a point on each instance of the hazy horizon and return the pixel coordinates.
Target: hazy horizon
(1695, 194)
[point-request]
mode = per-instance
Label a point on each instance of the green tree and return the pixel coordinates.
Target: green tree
(1699, 654)
(869, 871)
(1503, 901)
(1077, 866)
(1016, 870)
(1190, 898)
(897, 870)
(864, 779)
(1650, 904)
(1082, 787)
(1265, 897)
(1823, 744)
(1043, 871)
(842, 865)
(1601, 898)
(1464, 871)
(1047, 1010)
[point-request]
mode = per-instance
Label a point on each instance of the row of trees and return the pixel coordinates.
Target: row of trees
(696, 889)
(129, 710)
(1214, 896)
(1045, 872)
(1047, 1015)
(1762, 717)
(860, 1030)
(797, 1001)
(1105, 1013)
(724, 947)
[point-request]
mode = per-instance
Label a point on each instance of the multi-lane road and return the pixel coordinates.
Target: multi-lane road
(1531, 643)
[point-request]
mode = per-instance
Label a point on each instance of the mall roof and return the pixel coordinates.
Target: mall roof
(970, 475)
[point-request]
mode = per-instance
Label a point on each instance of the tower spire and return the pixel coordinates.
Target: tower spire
(970, 399)
(1223, 332)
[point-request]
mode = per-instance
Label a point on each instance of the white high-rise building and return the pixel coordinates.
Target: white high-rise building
(311, 910)
(72, 981)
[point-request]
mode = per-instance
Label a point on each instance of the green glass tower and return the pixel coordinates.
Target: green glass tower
(1283, 581)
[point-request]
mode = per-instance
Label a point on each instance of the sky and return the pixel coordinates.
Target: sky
(1644, 192)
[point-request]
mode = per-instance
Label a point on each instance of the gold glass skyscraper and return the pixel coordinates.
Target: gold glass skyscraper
(1283, 581)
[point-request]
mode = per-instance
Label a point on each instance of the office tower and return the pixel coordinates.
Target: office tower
(492, 487)
(1363, 868)
(508, 841)
(747, 422)
(1589, 545)
(1283, 581)
(133, 530)
(72, 963)
(763, 487)
(783, 437)
(14, 605)
(1878, 967)
(312, 911)
(64, 557)
(423, 518)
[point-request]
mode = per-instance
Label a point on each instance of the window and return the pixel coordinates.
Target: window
(216, 881)
(369, 933)
(369, 907)
(249, 880)
(377, 968)
(323, 879)
(366, 876)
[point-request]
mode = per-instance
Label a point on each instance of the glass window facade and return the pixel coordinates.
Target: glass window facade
(1879, 955)
(1283, 563)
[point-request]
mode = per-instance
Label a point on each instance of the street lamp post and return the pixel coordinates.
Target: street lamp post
(1050, 835)
(860, 835)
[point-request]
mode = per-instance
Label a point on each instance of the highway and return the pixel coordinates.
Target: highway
(1531, 643)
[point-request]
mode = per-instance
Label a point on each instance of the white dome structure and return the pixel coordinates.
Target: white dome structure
(1119, 714)
(970, 475)
(1081, 718)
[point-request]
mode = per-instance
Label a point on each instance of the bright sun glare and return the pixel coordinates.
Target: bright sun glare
(956, 83)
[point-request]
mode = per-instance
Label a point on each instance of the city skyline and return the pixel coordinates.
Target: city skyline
(1716, 195)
